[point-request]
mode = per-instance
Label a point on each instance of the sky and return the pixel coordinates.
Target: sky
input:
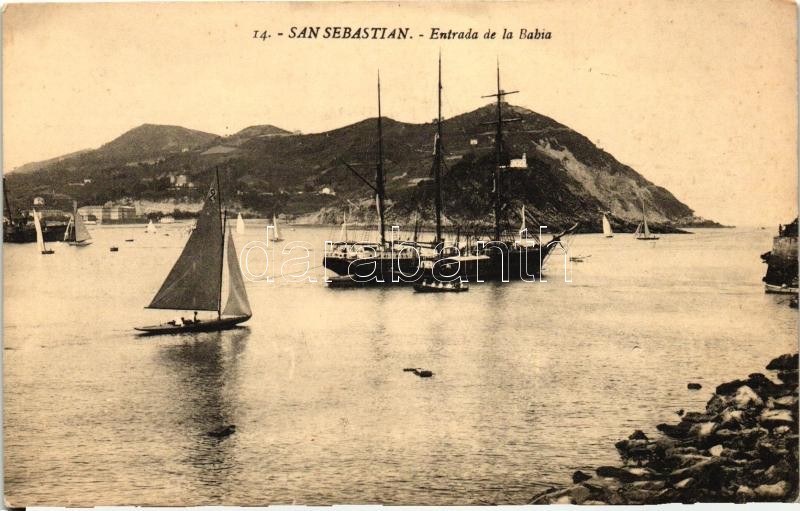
(698, 97)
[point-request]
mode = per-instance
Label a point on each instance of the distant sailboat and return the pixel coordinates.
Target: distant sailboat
(195, 281)
(239, 224)
(607, 232)
(76, 234)
(276, 233)
(39, 236)
(642, 231)
(151, 229)
(343, 231)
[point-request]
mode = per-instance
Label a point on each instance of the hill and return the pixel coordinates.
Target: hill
(268, 169)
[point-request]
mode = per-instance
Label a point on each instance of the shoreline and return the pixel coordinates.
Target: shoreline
(742, 448)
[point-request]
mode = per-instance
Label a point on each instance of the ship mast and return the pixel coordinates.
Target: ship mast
(222, 240)
(498, 142)
(380, 187)
(437, 169)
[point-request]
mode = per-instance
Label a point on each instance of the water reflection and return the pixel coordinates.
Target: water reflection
(206, 372)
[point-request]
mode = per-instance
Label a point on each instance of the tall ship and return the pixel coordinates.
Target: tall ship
(781, 261)
(502, 256)
(378, 263)
(195, 281)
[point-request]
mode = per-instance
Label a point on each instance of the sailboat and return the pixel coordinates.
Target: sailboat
(151, 229)
(642, 231)
(276, 234)
(195, 281)
(239, 224)
(39, 236)
(607, 232)
(76, 234)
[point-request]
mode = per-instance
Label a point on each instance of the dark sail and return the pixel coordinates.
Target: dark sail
(237, 304)
(194, 282)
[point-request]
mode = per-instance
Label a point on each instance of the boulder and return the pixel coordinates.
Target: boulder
(701, 471)
(788, 377)
(679, 431)
(579, 477)
(784, 362)
(772, 418)
(773, 491)
(785, 402)
(694, 386)
(579, 494)
(745, 398)
(638, 435)
(626, 475)
(698, 417)
(702, 429)
(729, 388)
(745, 494)
(685, 483)
(716, 450)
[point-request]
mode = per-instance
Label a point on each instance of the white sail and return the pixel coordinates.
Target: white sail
(607, 228)
(646, 230)
(237, 303)
(343, 231)
(276, 235)
(638, 230)
(239, 224)
(151, 229)
(523, 227)
(81, 232)
(39, 236)
(68, 231)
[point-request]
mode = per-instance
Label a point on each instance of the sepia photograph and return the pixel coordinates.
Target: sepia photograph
(426, 253)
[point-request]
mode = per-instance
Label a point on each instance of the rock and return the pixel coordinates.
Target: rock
(702, 429)
(773, 418)
(679, 431)
(648, 485)
(773, 491)
(716, 450)
(717, 403)
(788, 377)
(745, 494)
(784, 362)
(782, 430)
(638, 435)
(624, 475)
(785, 402)
(579, 494)
(694, 386)
(564, 499)
(594, 503)
(730, 417)
(579, 477)
(698, 417)
(685, 483)
(702, 470)
(763, 385)
(745, 397)
(729, 388)
(780, 471)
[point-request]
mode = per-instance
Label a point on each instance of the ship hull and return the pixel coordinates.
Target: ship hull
(213, 325)
(495, 264)
(376, 270)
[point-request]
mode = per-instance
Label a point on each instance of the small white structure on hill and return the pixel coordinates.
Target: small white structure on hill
(519, 163)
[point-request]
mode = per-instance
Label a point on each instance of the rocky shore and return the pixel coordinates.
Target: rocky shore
(742, 448)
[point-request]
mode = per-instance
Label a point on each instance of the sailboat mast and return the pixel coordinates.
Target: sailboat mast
(379, 178)
(438, 162)
(222, 242)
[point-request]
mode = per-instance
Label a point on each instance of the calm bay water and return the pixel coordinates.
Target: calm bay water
(532, 380)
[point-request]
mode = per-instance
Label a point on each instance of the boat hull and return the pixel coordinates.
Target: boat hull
(375, 270)
(213, 325)
(496, 264)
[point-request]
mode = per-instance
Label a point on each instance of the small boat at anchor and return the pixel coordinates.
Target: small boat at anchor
(195, 281)
(276, 233)
(431, 286)
(150, 229)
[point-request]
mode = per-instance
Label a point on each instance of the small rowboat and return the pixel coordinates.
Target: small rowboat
(428, 286)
